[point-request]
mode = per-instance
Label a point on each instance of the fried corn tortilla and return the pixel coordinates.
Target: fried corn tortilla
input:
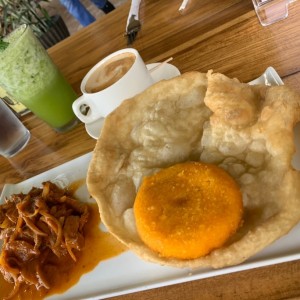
(246, 130)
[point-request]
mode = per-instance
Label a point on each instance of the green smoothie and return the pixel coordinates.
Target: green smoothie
(30, 76)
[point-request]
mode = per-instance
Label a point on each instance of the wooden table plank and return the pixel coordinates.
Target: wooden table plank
(242, 48)
(280, 281)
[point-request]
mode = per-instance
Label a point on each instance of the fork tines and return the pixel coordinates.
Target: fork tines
(132, 30)
(131, 37)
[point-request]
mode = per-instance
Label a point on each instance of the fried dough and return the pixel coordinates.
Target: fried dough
(246, 130)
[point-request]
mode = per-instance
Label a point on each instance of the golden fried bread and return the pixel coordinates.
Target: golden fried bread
(187, 210)
(196, 117)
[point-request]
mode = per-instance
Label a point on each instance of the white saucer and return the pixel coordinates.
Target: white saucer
(167, 71)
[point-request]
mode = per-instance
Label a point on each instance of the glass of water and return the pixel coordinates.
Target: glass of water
(14, 136)
(271, 11)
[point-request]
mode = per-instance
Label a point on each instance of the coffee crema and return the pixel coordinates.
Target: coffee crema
(110, 72)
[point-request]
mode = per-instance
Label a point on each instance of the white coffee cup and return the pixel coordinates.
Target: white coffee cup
(102, 102)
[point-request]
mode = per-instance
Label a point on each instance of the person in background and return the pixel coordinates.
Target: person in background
(80, 12)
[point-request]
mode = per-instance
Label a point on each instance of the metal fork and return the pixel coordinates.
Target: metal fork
(133, 25)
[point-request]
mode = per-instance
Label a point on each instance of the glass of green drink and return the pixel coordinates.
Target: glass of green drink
(30, 76)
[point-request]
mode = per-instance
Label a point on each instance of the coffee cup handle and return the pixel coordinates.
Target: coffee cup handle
(91, 116)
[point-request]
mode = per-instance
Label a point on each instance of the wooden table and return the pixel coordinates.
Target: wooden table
(223, 35)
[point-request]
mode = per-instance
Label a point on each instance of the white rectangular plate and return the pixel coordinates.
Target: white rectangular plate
(127, 273)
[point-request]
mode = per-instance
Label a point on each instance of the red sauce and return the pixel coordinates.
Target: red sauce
(100, 246)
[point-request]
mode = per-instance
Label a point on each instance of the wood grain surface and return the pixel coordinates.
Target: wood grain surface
(221, 35)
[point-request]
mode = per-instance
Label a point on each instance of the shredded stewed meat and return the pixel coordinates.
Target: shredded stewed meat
(40, 231)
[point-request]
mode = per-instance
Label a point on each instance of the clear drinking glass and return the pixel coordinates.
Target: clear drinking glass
(14, 136)
(29, 75)
(271, 11)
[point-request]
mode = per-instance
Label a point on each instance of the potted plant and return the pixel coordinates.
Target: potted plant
(49, 29)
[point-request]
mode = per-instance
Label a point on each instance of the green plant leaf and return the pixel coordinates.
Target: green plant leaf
(14, 13)
(3, 45)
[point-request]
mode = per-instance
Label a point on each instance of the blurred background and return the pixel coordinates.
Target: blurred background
(55, 7)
